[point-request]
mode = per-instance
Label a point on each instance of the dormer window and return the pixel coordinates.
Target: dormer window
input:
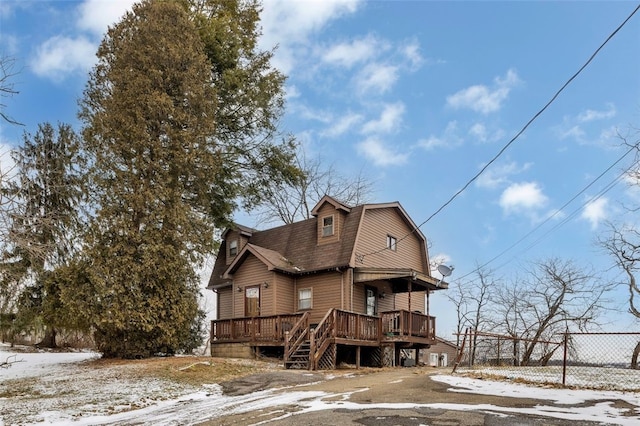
(327, 226)
(233, 248)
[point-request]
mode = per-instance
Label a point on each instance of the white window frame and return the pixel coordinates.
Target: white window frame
(392, 242)
(328, 230)
(233, 248)
(308, 300)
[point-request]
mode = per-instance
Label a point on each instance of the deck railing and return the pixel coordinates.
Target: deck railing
(393, 325)
(410, 324)
(270, 328)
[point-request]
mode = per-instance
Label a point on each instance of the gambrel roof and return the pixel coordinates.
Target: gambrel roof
(294, 249)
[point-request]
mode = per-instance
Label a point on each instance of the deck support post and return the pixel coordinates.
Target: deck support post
(358, 353)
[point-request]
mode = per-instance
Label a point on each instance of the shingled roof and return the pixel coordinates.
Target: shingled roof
(294, 249)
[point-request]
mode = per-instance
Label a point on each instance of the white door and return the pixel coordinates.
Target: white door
(433, 360)
(443, 360)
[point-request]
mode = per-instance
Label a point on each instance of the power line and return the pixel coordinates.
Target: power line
(582, 191)
(508, 144)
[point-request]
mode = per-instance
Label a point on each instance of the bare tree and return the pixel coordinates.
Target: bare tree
(558, 295)
(7, 90)
(623, 245)
(291, 202)
(472, 300)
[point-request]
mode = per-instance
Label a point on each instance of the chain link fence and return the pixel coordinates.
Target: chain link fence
(608, 361)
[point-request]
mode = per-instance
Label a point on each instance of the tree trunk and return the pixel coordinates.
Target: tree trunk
(49, 339)
(634, 357)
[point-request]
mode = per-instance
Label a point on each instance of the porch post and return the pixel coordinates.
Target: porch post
(410, 311)
(428, 320)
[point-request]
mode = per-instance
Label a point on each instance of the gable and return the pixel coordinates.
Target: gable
(387, 238)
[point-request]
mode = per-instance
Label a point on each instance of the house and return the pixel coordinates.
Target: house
(350, 285)
(441, 354)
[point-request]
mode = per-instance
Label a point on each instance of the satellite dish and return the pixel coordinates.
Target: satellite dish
(445, 271)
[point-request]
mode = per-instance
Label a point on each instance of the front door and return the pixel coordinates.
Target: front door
(252, 301)
(371, 300)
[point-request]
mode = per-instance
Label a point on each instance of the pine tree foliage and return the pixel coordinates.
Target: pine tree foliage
(250, 101)
(48, 196)
(180, 115)
(149, 109)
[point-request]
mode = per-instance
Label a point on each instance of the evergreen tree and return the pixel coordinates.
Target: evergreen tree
(48, 195)
(169, 162)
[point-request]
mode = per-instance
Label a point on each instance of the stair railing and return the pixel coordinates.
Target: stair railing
(295, 337)
(321, 338)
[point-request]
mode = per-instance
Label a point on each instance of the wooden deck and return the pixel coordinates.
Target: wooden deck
(301, 340)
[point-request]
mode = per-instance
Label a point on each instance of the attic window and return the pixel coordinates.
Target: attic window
(327, 226)
(392, 243)
(233, 247)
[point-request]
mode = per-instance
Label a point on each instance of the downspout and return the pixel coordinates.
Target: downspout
(351, 297)
(341, 288)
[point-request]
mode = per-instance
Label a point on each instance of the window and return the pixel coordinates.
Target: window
(327, 226)
(233, 247)
(304, 298)
(392, 243)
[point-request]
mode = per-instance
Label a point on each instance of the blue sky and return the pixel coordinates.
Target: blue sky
(419, 96)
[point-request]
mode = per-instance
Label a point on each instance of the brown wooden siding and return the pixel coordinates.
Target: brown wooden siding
(225, 303)
(372, 241)
(338, 224)
(283, 294)
(325, 290)
(234, 236)
(253, 272)
(417, 301)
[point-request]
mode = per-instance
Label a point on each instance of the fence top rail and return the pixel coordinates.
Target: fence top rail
(604, 333)
(506, 337)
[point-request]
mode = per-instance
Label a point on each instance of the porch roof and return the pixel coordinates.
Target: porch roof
(399, 279)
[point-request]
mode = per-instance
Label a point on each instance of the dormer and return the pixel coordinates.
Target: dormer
(234, 240)
(330, 215)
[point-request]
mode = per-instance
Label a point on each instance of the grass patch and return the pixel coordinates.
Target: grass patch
(187, 370)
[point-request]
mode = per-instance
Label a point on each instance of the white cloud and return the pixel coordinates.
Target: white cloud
(349, 54)
(595, 211)
(60, 56)
(497, 176)
(483, 99)
(95, 16)
(288, 24)
(524, 197)
(343, 125)
(575, 132)
(389, 120)
(376, 77)
(376, 151)
(411, 51)
(591, 115)
(480, 133)
(448, 139)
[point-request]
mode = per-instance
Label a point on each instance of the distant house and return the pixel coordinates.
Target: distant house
(349, 285)
(441, 354)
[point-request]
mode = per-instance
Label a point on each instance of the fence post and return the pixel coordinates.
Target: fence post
(564, 357)
(470, 344)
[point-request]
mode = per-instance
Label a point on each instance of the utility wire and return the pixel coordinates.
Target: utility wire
(504, 148)
(557, 212)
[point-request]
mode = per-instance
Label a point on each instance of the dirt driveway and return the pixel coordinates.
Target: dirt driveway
(367, 394)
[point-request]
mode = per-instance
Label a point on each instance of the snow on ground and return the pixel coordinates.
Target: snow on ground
(151, 401)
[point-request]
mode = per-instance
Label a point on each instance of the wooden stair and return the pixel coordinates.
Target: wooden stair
(299, 359)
